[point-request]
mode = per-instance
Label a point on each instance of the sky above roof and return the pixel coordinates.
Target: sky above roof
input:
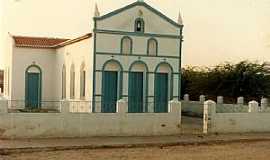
(215, 30)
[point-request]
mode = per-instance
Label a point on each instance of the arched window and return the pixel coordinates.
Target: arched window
(72, 81)
(152, 48)
(139, 25)
(126, 45)
(82, 81)
(64, 82)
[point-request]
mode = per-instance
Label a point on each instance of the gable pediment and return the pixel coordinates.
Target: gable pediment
(124, 19)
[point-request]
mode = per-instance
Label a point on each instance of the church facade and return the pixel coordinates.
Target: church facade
(133, 53)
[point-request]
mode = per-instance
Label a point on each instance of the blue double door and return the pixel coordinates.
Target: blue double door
(33, 90)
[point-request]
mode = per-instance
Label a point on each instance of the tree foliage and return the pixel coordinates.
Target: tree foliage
(248, 79)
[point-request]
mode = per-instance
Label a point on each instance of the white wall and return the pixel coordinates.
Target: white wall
(109, 43)
(24, 57)
(153, 22)
(126, 62)
(255, 120)
(65, 124)
(51, 62)
(76, 54)
(7, 49)
(240, 122)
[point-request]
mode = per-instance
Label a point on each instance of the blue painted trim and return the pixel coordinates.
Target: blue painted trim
(136, 34)
(94, 68)
(126, 72)
(112, 61)
(148, 44)
(180, 65)
(135, 55)
(139, 4)
(120, 78)
(142, 25)
(138, 62)
(166, 63)
(40, 83)
(131, 45)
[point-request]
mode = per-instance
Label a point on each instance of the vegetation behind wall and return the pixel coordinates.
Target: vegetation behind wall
(248, 79)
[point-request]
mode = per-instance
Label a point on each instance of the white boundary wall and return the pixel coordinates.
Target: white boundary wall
(255, 120)
(67, 124)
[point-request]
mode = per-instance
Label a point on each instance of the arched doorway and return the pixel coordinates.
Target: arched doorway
(137, 87)
(163, 87)
(111, 85)
(33, 78)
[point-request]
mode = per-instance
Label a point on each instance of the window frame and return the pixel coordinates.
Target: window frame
(72, 82)
(148, 46)
(122, 45)
(142, 25)
(64, 82)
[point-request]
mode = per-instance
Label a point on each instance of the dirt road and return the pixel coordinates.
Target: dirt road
(235, 151)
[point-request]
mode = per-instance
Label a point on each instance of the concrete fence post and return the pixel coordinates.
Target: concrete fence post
(253, 106)
(65, 106)
(264, 104)
(174, 107)
(122, 106)
(240, 100)
(186, 97)
(220, 100)
(202, 98)
(3, 105)
(208, 112)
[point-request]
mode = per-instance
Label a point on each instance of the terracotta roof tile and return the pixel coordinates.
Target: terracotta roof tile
(37, 42)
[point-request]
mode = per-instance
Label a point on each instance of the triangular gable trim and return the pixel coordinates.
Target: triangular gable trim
(139, 4)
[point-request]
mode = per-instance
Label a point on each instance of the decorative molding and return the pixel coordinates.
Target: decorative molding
(136, 55)
(137, 34)
(94, 68)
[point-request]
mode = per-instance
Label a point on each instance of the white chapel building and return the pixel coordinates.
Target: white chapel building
(132, 53)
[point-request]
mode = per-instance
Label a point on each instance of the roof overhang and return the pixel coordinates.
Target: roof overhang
(45, 42)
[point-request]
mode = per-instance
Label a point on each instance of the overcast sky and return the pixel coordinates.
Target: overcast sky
(215, 30)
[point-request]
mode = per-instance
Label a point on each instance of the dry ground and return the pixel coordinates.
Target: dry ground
(234, 151)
